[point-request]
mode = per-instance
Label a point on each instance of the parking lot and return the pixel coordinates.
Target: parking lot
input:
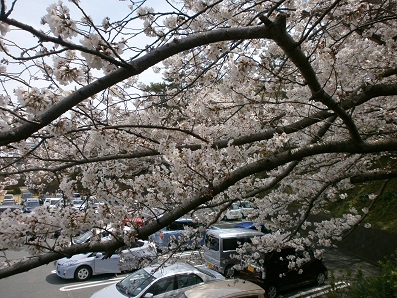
(43, 282)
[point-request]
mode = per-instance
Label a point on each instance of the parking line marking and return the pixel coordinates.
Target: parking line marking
(74, 287)
(320, 291)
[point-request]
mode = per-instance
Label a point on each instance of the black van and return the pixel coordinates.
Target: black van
(275, 275)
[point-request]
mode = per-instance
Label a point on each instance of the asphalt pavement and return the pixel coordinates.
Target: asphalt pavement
(43, 282)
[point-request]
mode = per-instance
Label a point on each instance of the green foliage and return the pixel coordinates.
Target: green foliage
(361, 285)
(383, 213)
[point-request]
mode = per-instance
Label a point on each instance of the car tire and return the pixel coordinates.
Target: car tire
(230, 272)
(320, 278)
(83, 273)
(271, 291)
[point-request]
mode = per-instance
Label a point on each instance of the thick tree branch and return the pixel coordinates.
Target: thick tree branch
(278, 33)
(136, 67)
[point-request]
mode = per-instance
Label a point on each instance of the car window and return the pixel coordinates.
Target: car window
(180, 225)
(187, 280)
(175, 226)
(32, 203)
(246, 205)
(162, 286)
(212, 243)
(234, 243)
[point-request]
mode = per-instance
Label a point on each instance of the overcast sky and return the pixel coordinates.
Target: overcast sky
(31, 12)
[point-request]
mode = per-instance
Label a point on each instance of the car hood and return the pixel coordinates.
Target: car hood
(110, 291)
(77, 257)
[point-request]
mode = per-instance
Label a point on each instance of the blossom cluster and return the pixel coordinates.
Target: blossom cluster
(256, 118)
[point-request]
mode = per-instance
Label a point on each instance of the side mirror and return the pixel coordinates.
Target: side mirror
(99, 255)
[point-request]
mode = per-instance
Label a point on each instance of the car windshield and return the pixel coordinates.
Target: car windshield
(83, 238)
(8, 202)
(135, 283)
(77, 202)
(32, 204)
(54, 202)
(246, 204)
(234, 206)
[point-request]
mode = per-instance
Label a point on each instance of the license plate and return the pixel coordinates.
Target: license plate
(210, 266)
(250, 268)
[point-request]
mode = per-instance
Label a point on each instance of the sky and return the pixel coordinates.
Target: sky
(31, 12)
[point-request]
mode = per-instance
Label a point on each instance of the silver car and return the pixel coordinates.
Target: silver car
(159, 281)
(82, 266)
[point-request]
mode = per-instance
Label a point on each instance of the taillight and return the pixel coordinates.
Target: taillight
(161, 235)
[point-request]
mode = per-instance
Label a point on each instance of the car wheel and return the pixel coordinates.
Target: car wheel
(230, 272)
(320, 279)
(271, 291)
(82, 273)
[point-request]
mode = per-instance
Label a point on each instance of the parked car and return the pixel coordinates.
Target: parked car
(52, 204)
(87, 236)
(82, 266)
(78, 204)
(26, 195)
(233, 212)
(246, 208)
(272, 271)
(230, 288)
(159, 281)
(239, 210)
(221, 244)
(30, 205)
(15, 208)
(177, 231)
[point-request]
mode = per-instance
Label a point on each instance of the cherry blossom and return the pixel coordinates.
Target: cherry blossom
(289, 105)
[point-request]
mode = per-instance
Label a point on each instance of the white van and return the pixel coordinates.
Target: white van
(220, 244)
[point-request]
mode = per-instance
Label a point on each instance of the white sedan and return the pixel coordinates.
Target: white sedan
(159, 281)
(82, 266)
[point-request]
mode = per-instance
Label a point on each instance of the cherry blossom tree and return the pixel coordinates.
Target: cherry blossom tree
(288, 104)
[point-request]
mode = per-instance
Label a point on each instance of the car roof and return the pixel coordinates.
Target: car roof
(233, 232)
(228, 288)
(158, 271)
